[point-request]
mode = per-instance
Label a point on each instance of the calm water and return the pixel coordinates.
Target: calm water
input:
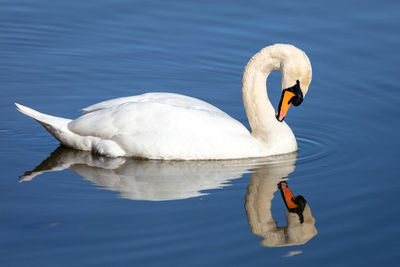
(61, 56)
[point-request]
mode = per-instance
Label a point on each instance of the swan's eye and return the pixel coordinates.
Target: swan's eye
(298, 98)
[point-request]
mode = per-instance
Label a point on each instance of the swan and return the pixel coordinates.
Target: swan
(169, 126)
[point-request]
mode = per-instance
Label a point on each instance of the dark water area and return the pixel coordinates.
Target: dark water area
(78, 209)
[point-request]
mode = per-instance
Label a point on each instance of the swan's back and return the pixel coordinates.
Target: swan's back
(162, 98)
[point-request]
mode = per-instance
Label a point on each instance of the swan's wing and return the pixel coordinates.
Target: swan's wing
(166, 98)
(167, 129)
(133, 118)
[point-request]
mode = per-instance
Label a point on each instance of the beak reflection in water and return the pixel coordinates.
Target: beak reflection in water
(293, 204)
(170, 180)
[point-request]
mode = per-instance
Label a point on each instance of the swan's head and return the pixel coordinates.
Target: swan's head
(296, 77)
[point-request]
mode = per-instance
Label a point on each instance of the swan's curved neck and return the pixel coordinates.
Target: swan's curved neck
(260, 112)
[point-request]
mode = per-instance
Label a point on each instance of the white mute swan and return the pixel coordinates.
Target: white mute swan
(171, 126)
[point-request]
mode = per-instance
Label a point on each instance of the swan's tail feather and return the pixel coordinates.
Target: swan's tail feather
(56, 126)
(43, 118)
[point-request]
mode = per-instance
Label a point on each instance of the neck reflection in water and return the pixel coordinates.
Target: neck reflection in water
(170, 180)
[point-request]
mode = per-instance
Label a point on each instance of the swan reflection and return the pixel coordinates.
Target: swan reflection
(263, 184)
(170, 180)
(153, 180)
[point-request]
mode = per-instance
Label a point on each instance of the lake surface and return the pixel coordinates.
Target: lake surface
(77, 209)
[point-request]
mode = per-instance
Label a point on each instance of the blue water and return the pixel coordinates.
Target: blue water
(61, 56)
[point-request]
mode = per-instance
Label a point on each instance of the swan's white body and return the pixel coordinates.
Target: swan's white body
(171, 126)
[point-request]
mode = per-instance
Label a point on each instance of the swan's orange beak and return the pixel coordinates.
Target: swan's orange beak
(287, 195)
(284, 104)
